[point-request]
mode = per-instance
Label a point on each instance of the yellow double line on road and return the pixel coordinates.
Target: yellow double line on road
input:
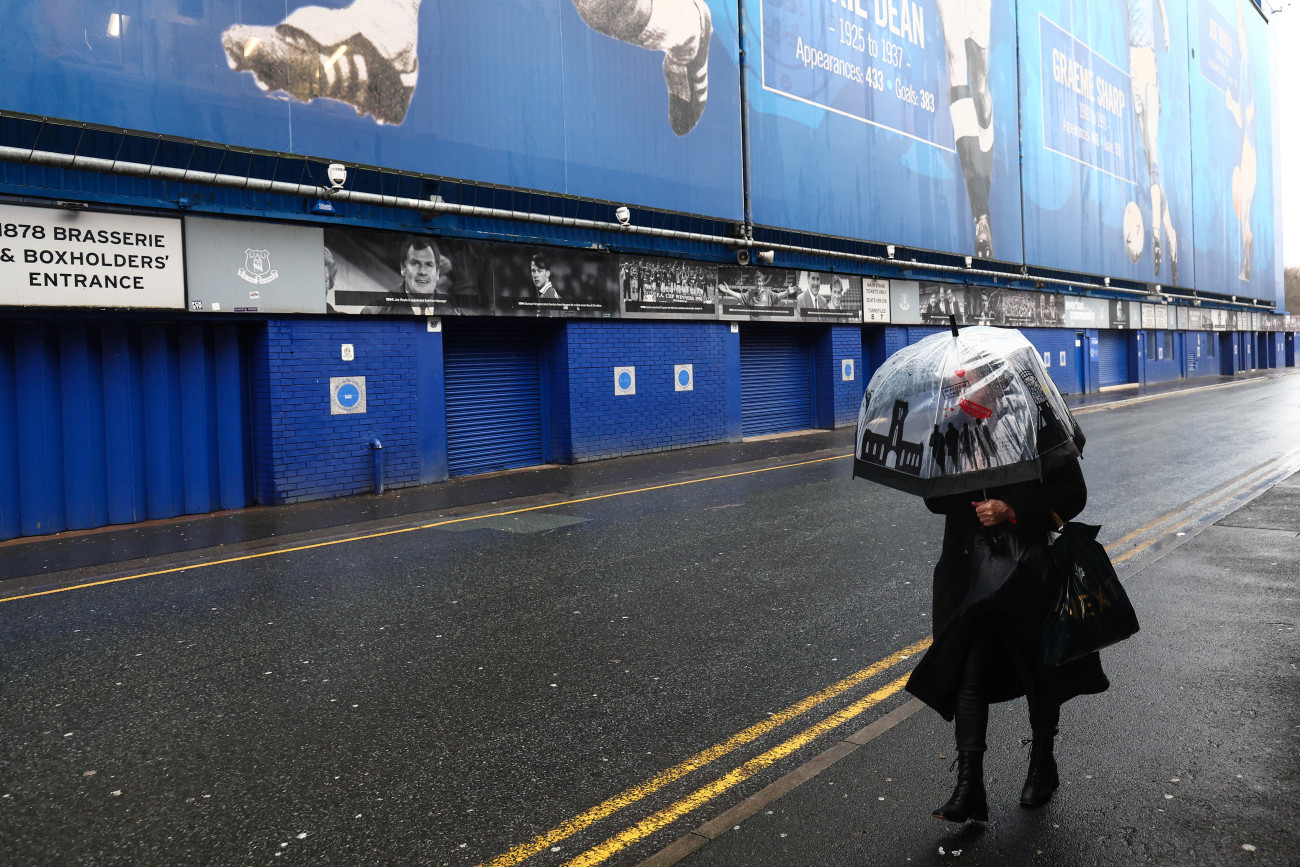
(584, 820)
(1196, 510)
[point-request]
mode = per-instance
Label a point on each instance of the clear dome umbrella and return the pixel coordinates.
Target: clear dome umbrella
(961, 411)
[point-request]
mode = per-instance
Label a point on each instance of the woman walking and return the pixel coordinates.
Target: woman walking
(990, 649)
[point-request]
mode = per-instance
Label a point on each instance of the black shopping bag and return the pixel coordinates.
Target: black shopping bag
(996, 554)
(1092, 610)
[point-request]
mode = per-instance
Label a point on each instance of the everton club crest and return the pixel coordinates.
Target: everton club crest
(257, 267)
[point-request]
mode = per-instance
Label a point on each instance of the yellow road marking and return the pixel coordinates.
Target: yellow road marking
(670, 814)
(1183, 509)
(246, 557)
(583, 820)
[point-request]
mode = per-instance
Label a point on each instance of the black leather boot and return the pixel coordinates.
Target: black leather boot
(968, 800)
(1042, 779)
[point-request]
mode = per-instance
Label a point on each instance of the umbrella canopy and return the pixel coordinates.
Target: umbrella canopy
(963, 411)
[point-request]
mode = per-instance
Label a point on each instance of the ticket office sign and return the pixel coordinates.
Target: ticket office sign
(53, 257)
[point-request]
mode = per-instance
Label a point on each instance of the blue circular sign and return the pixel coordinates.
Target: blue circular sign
(625, 380)
(684, 377)
(349, 395)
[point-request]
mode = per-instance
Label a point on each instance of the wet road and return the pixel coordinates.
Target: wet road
(446, 694)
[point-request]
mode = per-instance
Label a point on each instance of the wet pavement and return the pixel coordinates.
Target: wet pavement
(1189, 759)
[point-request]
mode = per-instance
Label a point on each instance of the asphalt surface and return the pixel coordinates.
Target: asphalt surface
(583, 664)
(1189, 759)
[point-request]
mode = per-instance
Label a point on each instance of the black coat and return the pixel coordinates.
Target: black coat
(1017, 613)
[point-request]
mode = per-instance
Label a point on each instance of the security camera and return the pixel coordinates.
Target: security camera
(969, 261)
(742, 256)
(890, 249)
(766, 256)
(624, 215)
(338, 175)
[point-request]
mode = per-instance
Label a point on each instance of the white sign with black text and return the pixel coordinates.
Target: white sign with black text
(53, 257)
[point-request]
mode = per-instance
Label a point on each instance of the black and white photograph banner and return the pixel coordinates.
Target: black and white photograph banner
(667, 288)
(406, 275)
(982, 305)
(554, 281)
(828, 297)
(757, 293)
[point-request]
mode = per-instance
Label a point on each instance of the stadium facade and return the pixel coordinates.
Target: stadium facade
(259, 253)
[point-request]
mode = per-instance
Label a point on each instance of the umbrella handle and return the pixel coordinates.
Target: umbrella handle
(952, 323)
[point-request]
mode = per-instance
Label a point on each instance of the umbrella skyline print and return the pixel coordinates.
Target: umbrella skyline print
(961, 412)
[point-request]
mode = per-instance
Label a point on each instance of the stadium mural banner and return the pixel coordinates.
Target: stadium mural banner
(667, 288)
(890, 120)
(779, 294)
(1106, 138)
(241, 266)
(1231, 137)
(367, 272)
(554, 282)
(54, 257)
(634, 101)
(983, 305)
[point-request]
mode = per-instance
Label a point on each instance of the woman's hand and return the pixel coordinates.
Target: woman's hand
(991, 512)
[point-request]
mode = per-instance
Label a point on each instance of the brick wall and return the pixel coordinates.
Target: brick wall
(657, 417)
(845, 342)
(302, 452)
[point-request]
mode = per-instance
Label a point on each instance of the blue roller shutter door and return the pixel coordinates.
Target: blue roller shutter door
(775, 379)
(1113, 357)
(118, 423)
(494, 396)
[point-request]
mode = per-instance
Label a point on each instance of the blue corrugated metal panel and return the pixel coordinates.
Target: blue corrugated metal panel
(123, 425)
(83, 428)
(775, 379)
(9, 499)
(200, 481)
(233, 420)
(40, 432)
(164, 482)
(494, 396)
(114, 423)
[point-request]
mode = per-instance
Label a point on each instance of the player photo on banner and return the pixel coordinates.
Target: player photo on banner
(626, 100)
(982, 305)
(1119, 313)
(667, 287)
(1106, 138)
(828, 297)
(748, 292)
(405, 275)
(554, 281)
(868, 104)
(1233, 137)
